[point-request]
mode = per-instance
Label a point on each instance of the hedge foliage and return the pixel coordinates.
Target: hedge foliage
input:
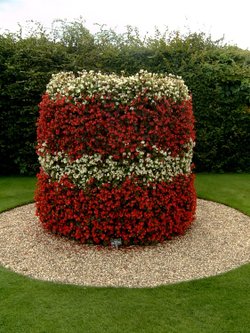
(217, 75)
(116, 155)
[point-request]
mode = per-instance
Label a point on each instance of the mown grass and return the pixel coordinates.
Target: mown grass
(230, 189)
(217, 304)
(16, 191)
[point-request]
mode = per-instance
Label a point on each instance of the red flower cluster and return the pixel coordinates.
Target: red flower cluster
(136, 214)
(111, 130)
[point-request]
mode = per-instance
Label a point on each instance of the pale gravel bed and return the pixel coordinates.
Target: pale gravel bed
(218, 241)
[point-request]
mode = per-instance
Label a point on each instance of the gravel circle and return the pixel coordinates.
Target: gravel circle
(218, 241)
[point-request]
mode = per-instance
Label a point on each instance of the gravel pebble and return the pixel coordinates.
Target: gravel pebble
(218, 241)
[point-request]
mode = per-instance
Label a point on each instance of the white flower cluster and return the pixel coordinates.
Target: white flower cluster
(122, 89)
(160, 167)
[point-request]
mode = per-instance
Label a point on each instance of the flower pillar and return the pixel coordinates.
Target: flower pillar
(115, 155)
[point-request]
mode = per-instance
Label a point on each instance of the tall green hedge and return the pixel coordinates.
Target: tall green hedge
(218, 77)
(26, 67)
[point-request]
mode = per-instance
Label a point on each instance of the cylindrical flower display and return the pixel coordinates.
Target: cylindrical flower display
(116, 154)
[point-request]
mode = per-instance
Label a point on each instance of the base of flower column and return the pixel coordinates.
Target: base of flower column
(139, 215)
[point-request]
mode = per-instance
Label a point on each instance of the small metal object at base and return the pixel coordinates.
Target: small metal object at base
(116, 242)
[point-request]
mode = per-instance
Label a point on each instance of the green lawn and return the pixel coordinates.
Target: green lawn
(217, 304)
(16, 191)
(230, 189)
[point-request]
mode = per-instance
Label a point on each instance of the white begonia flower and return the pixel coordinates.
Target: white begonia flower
(120, 88)
(162, 167)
